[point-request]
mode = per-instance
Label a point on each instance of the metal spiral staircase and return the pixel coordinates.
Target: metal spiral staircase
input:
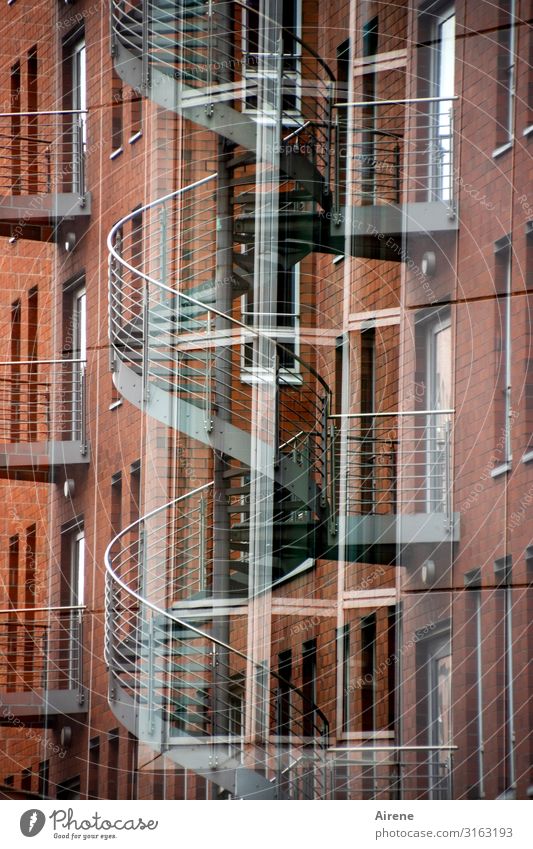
(180, 580)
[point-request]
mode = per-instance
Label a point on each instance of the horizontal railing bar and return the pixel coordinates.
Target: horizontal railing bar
(370, 103)
(44, 609)
(390, 415)
(398, 748)
(44, 112)
(43, 362)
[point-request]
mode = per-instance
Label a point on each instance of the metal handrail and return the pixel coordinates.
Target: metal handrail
(72, 607)
(250, 331)
(188, 625)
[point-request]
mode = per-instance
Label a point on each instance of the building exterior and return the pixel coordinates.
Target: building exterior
(267, 399)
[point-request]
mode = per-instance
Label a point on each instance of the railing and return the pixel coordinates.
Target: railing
(181, 672)
(41, 649)
(175, 342)
(391, 772)
(395, 462)
(42, 152)
(400, 151)
(43, 400)
(199, 48)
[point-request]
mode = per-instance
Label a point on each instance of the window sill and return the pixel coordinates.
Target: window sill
(500, 470)
(116, 152)
(135, 137)
(502, 149)
(527, 457)
(116, 404)
(528, 130)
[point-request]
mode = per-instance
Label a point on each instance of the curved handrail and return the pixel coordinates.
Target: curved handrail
(188, 625)
(250, 331)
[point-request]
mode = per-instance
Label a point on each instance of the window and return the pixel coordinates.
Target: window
(93, 786)
(436, 428)
(116, 113)
(15, 376)
(34, 155)
(368, 669)
(287, 324)
(113, 751)
(343, 643)
(284, 693)
(76, 99)
(43, 786)
(69, 789)
(79, 355)
(12, 629)
(443, 85)
(288, 309)
(343, 86)
(25, 780)
(291, 63)
(437, 670)
(136, 115)
(16, 129)
(474, 663)
(369, 115)
(72, 595)
(116, 504)
(131, 770)
(503, 573)
(502, 335)
(506, 79)
(79, 102)
(309, 672)
(33, 374)
(368, 445)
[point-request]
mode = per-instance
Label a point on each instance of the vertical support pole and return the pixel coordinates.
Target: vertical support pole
(145, 351)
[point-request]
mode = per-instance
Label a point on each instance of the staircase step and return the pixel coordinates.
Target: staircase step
(235, 473)
(238, 490)
(241, 159)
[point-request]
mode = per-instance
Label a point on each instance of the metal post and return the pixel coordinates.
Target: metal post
(83, 411)
(145, 75)
(145, 356)
(202, 545)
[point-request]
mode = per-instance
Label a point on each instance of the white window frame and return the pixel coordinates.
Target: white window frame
(290, 118)
(438, 190)
(292, 334)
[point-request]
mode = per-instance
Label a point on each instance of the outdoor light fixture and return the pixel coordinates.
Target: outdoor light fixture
(70, 241)
(65, 737)
(429, 262)
(428, 572)
(12, 240)
(68, 488)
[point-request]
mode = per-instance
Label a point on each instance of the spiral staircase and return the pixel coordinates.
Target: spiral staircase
(182, 579)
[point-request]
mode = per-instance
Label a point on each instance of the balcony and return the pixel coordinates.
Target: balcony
(396, 475)
(398, 159)
(391, 772)
(42, 418)
(42, 172)
(41, 663)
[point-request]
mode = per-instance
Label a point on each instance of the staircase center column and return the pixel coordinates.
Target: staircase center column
(264, 433)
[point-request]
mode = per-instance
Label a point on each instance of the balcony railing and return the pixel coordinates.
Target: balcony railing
(396, 461)
(384, 465)
(391, 772)
(41, 649)
(43, 401)
(400, 151)
(42, 152)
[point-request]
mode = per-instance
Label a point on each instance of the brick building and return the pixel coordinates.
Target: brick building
(266, 399)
